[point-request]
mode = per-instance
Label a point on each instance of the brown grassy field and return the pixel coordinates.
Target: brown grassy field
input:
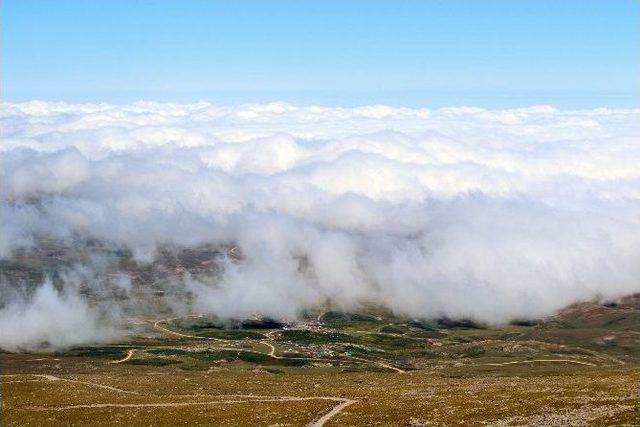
(228, 396)
(579, 368)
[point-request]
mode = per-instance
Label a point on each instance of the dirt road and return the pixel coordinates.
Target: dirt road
(341, 402)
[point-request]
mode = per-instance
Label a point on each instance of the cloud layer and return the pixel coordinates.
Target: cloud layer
(459, 212)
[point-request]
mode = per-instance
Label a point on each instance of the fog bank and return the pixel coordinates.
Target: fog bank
(461, 212)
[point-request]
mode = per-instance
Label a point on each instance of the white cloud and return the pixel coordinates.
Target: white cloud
(457, 211)
(50, 319)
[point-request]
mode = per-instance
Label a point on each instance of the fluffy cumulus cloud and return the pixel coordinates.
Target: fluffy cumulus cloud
(459, 212)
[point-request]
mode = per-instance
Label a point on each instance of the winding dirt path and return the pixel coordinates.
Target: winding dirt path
(554, 348)
(272, 349)
(157, 326)
(332, 413)
(106, 387)
(342, 402)
(127, 357)
(379, 363)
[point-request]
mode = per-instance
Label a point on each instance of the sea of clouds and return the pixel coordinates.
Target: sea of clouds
(491, 215)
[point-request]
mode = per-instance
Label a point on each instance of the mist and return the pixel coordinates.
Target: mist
(491, 215)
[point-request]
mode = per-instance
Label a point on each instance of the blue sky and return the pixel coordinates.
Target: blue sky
(506, 53)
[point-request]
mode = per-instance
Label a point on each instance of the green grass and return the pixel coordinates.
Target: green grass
(393, 329)
(303, 336)
(230, 334)
(104, 351)
(153, 361)
(391, 342)
(197, 324)
(447, 323)
(336, 319)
